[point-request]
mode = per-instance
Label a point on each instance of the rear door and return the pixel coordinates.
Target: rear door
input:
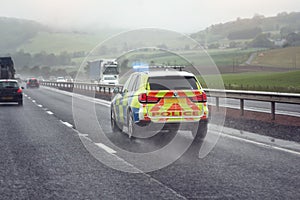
(174, 99)
(8, 90)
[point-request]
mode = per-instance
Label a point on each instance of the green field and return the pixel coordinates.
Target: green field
(274, 82)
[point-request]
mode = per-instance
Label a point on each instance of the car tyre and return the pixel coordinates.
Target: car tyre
(20, 103)
(131, 126)
(199, 132)
(113, 122)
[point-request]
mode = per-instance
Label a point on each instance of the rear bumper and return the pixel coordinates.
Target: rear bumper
(8, 98)
(171, 125)
(32, 86)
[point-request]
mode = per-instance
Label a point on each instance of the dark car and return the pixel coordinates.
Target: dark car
(10, 91)
(32, 83)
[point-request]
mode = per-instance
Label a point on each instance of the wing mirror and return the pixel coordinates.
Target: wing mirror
(117, 90)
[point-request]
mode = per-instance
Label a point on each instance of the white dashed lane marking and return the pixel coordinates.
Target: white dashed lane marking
(106, 148)
(83, 135)
(49, 112)
(67, 124)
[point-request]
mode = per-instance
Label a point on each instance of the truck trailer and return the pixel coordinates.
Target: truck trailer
(104, 71)
(7, 70)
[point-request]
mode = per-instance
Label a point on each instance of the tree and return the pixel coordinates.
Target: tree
(214, 46)
(293, 39)
(248, 33)
(162, 46)
(285, 31)
(261, 41)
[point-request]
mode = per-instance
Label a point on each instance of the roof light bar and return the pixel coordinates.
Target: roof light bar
(167, 67)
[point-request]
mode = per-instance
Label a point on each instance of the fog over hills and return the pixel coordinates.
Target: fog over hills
(31, 36)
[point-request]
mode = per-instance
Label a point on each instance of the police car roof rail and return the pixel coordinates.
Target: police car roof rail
(167, 67)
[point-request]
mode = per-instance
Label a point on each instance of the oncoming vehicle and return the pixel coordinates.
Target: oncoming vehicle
(10, 91)
(61, 79)
(169, 99)
(110, 80)
(32, 83)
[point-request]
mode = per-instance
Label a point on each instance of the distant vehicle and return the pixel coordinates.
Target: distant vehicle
(52, 78)
(60, 79)
(171, 99)
(10, 91)
(104, 71)
(110, 80)
(32, 83)
(7, 70)
(69, 79)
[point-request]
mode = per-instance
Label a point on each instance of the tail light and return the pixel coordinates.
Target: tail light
(143, 98)
(19, 90)
(199, 98)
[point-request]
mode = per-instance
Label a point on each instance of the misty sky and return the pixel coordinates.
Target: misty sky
(179, 15)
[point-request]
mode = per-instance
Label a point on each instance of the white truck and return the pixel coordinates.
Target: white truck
(104, 71)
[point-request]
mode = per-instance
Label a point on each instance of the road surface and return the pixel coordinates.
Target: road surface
(43, 157)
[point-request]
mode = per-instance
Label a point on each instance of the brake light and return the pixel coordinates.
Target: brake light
(143, 98)
(199, 98)
(19, 90)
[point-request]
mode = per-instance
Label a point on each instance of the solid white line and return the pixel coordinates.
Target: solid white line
(79, 96)
(83, 135)
(106, 148)
(50, 113)
(262, 144)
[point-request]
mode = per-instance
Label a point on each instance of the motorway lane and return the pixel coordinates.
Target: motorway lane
(234, 169)
(41, 158)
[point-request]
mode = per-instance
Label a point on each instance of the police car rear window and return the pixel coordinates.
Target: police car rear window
(173, 83)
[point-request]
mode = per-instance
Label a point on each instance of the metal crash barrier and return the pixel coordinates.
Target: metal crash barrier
(105, 92)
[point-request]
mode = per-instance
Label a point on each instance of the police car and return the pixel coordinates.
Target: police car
(163, 99)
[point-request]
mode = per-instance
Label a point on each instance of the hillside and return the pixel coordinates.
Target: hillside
(56, 42)
(14, 32)
(33, 37)
(245, 29)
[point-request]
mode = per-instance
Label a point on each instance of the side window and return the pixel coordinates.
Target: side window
(125, 87)
(137, 83)
(132, 82)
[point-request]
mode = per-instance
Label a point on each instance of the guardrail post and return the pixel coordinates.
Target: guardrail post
(273, 110)
(242, 106)
(218, 103)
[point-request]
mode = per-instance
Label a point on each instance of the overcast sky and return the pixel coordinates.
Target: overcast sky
(179, 15)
